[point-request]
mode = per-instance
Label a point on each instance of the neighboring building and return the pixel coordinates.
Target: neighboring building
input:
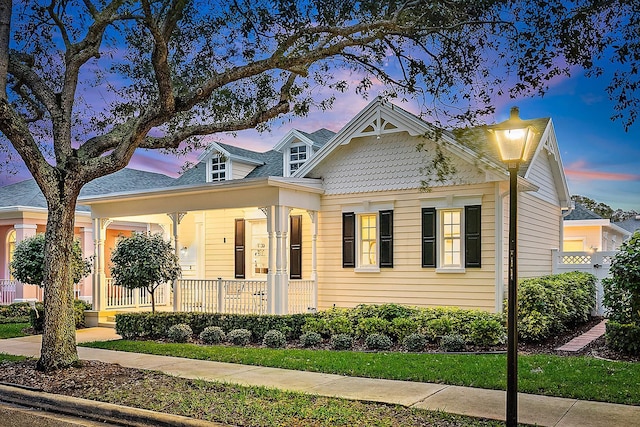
(587, 231)
(338, 220)
(23, 213)
(631, 224)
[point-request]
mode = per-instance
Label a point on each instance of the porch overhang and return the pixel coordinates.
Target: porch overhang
(303, 193)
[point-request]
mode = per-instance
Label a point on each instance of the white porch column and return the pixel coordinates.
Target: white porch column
(23, 231)
(281, 279)
(314, 256)
(99, 281)
(271, 260)
(87, 245)
(176, 218)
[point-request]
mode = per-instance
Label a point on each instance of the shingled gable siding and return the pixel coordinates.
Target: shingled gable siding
(407, 282)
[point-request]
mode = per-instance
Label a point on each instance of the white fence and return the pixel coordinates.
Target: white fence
(7, 291)
(241, 296)
(119, 297)
(596, 263)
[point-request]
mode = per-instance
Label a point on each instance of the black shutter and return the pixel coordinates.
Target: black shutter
(348, 239)
(386, 238)
(239, 249)
(472, 227)
(429, 237)
(295, 247)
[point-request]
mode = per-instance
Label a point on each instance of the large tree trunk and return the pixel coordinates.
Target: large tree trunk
(59, 336)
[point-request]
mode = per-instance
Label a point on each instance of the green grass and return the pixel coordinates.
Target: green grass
(572, 377)
(10, 358)
(12, 330)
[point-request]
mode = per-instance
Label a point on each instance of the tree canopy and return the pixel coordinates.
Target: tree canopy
(87, 83)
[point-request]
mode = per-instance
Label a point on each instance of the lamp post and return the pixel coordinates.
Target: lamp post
(512, 136)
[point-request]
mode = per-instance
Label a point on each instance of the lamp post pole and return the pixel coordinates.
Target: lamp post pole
(512, 303)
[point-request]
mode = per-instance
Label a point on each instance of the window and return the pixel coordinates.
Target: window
(297, 157)
(451, 237)
(373, 240)
(218, 171)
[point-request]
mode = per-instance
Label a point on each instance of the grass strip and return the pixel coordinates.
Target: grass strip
(12, 330)
(584, 378)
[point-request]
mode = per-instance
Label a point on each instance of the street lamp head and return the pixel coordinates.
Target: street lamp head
(513, 137)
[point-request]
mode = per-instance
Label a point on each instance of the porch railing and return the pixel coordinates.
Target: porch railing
(302, 296)
(7, 291)
(224, 296)
(120, 297)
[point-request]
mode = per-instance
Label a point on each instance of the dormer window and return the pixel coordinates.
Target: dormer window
(218, 168)
(297, 157)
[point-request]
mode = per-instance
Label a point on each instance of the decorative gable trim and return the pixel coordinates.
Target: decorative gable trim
(383, 118)
(216, 148)
(292, 137)
(549, 147)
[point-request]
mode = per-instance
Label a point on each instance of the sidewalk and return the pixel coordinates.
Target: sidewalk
(532, 409)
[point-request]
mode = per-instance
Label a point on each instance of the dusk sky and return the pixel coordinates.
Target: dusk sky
(601, 160)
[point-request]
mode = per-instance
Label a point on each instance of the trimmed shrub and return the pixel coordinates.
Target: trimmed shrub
(239, 336)
(339, 325)
(414, 342)
(378, 342)
(179, 333)
(623, 337)
(486, 332)
(36, 317)
(372, 325)
(274, 339)
(452, 343)
(18, 312)
(551, 304)
(341, 342)
(212, 335)
(310, 339)
(439, 327)
(402, 327)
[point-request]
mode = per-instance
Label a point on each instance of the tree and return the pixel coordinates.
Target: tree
(28, 261)
(598, 208)
(144, 261)
(84, 83)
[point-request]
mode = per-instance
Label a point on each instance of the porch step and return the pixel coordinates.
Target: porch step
(107, 324)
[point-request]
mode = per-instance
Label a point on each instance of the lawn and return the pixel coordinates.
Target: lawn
(583, 378)
(12, 330)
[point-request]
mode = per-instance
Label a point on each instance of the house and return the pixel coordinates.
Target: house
(631, 224)
(341, 219)
(23, 214)
(586, 231)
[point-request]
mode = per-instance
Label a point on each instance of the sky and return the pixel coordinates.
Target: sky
(601, 159)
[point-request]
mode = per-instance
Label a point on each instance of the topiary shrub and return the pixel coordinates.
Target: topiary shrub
(414, 342)
(378, 342)
(239, 336)
(341, 342)
(310, 339)
(179, 333)
(212, 335)
(274, 339)
(452, 343)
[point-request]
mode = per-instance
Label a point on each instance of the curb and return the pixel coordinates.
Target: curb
(97, 411)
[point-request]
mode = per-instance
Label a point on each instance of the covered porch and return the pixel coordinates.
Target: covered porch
(246, 246)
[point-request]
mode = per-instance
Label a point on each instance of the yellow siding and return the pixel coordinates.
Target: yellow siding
(538, 233)
(407, 282)
(590, 235)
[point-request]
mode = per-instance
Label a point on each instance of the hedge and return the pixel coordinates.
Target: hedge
(156, 325)
(623, 337)
(18, 312)
(37, 320)
(551, 304)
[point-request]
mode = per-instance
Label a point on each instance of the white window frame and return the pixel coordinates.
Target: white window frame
(363, 241)
(297, 163)
(442, 239)
(227, 168)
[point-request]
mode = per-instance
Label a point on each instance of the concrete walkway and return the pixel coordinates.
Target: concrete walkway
(532, 409)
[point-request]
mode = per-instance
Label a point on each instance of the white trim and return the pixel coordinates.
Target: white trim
(452, 270)
(368, 207)
(450, 201)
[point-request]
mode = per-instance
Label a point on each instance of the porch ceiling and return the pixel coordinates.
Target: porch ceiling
(269, 191)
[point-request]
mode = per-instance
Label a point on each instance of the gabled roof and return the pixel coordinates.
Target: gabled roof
(27, 193)
(630, 224)
(581, 213)
(315, 139)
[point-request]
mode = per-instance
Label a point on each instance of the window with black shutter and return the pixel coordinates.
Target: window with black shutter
(239, 244)
(348, 239)
(386, 238)
(295, 247)
(472, 246)
(429, 245)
